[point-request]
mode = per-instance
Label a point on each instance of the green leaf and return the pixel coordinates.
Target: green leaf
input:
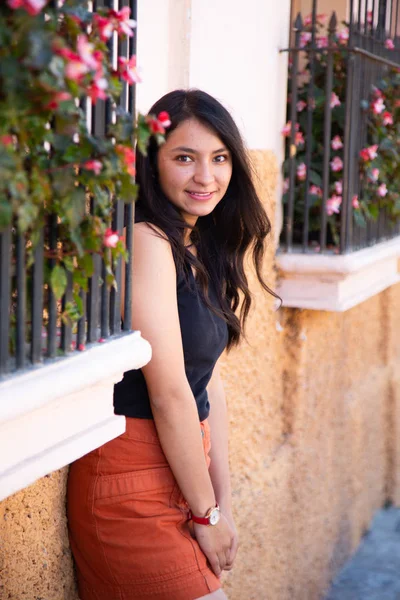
(80, 279)
(87, 263)
(40, 52)
(127, 189)
(63, 181)
(74, 207)
(27, 214)
(69, 263)
(5, 213)
(58, 281)
(315, 178)
(79, 303)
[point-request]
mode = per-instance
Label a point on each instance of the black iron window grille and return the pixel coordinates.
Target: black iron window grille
(342, 166)
(31, 328)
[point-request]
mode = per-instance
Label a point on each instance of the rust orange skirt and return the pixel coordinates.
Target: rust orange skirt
(128, 523)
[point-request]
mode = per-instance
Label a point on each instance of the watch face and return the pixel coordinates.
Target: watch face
(214, 516)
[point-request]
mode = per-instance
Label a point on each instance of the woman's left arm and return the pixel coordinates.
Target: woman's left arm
(219, 467)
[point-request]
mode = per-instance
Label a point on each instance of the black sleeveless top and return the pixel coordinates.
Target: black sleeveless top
(204, 337)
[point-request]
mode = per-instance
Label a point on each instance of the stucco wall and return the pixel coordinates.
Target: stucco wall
(314, 401)
(35, 561)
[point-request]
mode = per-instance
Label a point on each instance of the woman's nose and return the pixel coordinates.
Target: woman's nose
(204, 174)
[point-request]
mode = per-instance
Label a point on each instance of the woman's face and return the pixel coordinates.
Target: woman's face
(194, 169)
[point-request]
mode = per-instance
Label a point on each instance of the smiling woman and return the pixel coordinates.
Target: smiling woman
(150, 513)
(194, 177)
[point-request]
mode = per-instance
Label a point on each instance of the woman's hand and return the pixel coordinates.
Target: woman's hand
(235, 542)
(218, 544)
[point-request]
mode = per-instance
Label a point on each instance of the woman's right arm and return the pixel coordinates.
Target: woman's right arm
(155, 314)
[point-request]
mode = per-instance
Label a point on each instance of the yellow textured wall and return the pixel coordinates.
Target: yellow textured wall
(314, 416)
(35, 561)
(314, 401)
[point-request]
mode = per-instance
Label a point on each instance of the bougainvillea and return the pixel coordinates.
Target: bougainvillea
(378, 183)
(55, 67)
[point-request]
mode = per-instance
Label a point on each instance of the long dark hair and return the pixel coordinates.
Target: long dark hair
(238, 222)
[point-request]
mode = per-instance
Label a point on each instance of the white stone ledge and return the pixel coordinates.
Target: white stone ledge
(337, 282)
(53, 414)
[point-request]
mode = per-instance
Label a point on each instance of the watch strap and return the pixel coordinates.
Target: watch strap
(203, 520)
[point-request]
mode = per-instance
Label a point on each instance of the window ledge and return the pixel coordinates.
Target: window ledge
(53, 414)
(337, 283)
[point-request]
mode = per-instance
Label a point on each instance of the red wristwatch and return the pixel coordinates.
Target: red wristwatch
(212, 516)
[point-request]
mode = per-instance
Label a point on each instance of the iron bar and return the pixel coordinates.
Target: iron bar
(66, 325)
(127, 318)
(298, 26)
(5, 298)
(37, 300)
(52, 302)
(327, 132)
(21, 301)
(309, 130)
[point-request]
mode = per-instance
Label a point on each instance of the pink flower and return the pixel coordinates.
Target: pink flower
(87, 53)
(301, 105)
(387, 118)
(382, 190)
(369, 153)
(389, 44)
(305, 38)
(127, 69)
(285, 185)
(321, 19)
(6, 140)
(301, 172)
(334, 100)
(339, 187)
(322, 41)
(128, 158)
(288, 128)
(159, 123)
(75, 69)
(56, 99)
(336, 164)
(104, 25)
(299, 138)
(124, 23)
(333, 205)
(315, 191)
(32, 7)
(374, 174)
(378, 106)
(355, 201)
(81, 62)
(93, 165)
(111, 239)
(369, 16)
(343, 35)
(96, 89)
(336, 143)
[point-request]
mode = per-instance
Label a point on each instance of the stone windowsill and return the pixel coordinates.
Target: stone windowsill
(53, 414)
(339, 282)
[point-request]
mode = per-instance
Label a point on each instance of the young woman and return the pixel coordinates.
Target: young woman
(150, 512)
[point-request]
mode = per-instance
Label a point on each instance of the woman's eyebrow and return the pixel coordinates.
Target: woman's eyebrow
(192, 151)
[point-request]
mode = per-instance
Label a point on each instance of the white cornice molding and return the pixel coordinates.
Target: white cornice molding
(56, 413)
(337, 282)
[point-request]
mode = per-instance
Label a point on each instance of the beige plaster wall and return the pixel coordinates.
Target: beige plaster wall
(314, 401)
(35, 561)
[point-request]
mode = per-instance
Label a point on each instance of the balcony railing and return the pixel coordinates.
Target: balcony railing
(32, 329)
(343, 103)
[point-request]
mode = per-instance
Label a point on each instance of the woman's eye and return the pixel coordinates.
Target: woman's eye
(221, 158)
(183, 158)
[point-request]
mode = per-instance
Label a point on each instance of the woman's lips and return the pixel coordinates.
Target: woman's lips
(200, 196)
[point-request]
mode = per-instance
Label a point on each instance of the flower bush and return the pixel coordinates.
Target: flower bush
(54, 62)
(379, 157)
